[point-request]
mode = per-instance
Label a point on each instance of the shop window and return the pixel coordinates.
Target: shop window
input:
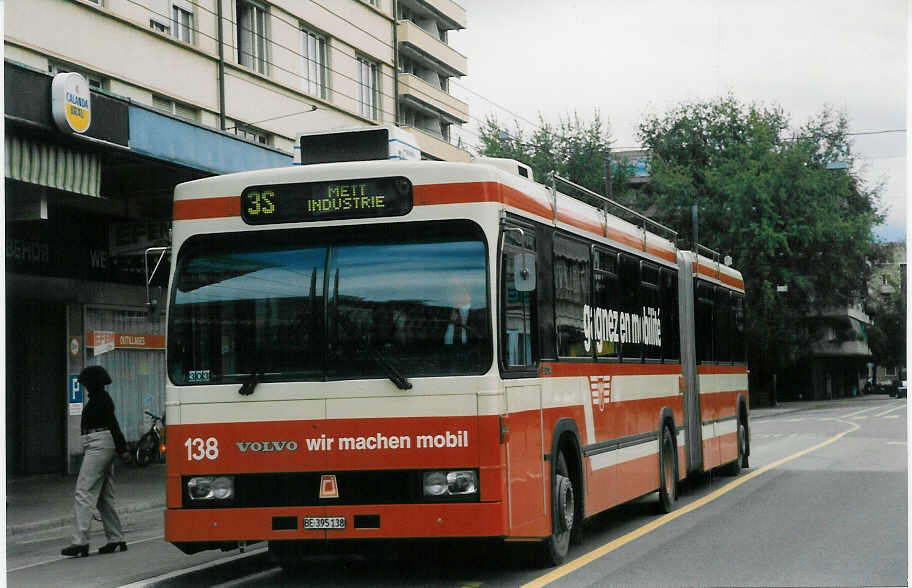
(136, 363)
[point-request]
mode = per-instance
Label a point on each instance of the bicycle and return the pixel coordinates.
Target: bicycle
(149, 446)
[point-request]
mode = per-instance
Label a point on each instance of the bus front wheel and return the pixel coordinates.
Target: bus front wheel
(563, 512)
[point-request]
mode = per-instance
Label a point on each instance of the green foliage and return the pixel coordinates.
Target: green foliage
(574, 149)
(765, 197)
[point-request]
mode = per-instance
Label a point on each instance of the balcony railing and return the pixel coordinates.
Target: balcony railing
(425, 46)
(413, 86)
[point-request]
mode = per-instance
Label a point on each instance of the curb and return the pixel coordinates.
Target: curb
(60, 522)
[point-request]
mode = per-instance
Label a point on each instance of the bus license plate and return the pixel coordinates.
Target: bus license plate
(324, 522)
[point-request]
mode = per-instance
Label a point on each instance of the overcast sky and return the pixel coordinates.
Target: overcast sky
(630, 58)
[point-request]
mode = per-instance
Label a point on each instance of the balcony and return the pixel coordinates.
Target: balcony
(437, 148)
(418, 44)
(422, 94)
(448, 11)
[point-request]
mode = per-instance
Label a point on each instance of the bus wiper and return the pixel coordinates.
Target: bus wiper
(250, 384)
(391, 372)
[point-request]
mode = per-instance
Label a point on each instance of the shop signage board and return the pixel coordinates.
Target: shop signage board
(109, 341)
(71, 102)
(75, 396)
(102, 341)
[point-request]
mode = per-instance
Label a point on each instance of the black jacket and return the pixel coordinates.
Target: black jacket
(98, 413)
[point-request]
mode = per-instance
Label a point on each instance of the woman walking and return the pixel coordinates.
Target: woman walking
(102, 440)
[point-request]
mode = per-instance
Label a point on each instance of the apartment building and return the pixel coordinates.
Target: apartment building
(169, 96)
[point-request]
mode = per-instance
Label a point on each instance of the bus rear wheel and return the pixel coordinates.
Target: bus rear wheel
(734, 468)
(668, 473)
(563, 513)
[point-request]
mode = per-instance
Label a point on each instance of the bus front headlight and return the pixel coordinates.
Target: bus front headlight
(210, 487)
(457, 484)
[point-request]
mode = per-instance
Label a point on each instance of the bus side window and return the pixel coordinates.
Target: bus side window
(671, 343)
(605, 300)
(631, 348)
(571, 294)
(703, 322)
(738, 342)
(518, 324)
(723, 325)
(651, 311)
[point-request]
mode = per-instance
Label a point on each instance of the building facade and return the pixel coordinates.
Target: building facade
(889, 278)
(169, 96)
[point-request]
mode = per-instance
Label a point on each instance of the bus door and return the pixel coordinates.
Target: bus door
(522, 389)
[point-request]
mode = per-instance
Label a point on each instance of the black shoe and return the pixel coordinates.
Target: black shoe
(75, 550)
(112, 547)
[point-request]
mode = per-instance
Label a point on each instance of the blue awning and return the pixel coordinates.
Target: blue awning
(162, 137)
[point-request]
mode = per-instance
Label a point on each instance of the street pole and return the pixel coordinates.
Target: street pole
(696, 225)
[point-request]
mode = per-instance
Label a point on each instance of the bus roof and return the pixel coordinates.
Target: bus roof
(441, 183)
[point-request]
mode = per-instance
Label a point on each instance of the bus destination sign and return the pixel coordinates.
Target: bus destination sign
(317, 201)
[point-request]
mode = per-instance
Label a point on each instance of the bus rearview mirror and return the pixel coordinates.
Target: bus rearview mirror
(524, 268)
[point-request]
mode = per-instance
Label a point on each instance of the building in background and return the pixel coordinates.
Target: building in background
(166, 96)
(426, 65)
(887, 279)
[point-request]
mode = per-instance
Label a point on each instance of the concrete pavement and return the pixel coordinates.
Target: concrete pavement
(45, 502)
(41, 503)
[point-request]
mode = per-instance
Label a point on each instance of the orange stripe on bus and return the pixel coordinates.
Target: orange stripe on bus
(564, 369)
(710, 272)
(721, 369)
(477, 192)
(198, 208)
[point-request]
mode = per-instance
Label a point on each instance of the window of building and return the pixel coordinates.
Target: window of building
(182, 24)
(368, 88)
(252, 134)
(251, 35)
(95, 80)
(175, 108)
(159, 26)
(313, 51)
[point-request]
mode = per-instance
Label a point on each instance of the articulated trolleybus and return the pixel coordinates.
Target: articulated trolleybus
(383, 350)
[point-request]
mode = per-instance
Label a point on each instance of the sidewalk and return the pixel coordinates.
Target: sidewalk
(39, 503)
(787, 407)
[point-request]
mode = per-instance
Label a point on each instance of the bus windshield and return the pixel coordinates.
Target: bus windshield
(330, 304)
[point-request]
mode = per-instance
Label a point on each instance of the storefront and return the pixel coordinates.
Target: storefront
(81, 209)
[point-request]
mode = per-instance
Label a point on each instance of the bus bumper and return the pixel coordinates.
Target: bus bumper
(399, 521)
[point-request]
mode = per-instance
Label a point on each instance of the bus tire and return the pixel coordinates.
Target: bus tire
(668, 473)
(734, 468)
(563, 512)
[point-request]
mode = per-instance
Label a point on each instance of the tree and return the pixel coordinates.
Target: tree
(574, 149)
(765, 197)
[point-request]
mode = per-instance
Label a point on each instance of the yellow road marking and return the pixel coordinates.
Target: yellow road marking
(588, 558)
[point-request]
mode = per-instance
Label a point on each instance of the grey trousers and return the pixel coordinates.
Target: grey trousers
(95, 489)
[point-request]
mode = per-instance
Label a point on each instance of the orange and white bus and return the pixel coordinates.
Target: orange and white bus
(379, 350)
